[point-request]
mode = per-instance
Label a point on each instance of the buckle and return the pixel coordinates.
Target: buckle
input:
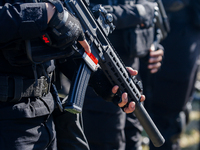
(44, 87)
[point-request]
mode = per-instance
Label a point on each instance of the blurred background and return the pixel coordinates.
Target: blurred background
(190, 138)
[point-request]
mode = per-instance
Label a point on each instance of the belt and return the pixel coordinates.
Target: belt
(13, 88)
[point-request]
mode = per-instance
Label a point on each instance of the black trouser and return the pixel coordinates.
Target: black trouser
(111, 131)
(69, 131)
(28, 134)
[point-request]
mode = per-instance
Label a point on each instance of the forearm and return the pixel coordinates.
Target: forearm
(125, 16)
(50, 11)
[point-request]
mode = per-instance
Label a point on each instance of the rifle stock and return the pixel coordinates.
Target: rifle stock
(111, 65)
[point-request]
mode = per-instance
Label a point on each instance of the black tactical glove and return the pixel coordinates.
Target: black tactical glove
(64, 28)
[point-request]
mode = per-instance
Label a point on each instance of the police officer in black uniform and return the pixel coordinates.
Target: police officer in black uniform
(31, 33)
(107, 127)
(172, 87)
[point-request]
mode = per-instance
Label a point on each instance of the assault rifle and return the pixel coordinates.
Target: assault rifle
(103, 55)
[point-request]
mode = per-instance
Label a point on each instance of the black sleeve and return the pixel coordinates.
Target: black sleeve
(126, 16)
(24, 21)
(130, 16)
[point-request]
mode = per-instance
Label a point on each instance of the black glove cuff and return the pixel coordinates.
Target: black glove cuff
(64, 28)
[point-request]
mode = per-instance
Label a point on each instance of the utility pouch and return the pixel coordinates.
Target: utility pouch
(13, 88)
(138, 41)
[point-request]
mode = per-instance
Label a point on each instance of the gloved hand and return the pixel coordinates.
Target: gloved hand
(64, 29)
(103, 88)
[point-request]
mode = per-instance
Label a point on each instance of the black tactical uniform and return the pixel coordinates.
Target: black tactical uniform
(17, 75)
(106, 126)
(26, 102)
(173, 85)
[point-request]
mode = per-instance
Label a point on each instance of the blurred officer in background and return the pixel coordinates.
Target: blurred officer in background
(106, 126)
(170, 91)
